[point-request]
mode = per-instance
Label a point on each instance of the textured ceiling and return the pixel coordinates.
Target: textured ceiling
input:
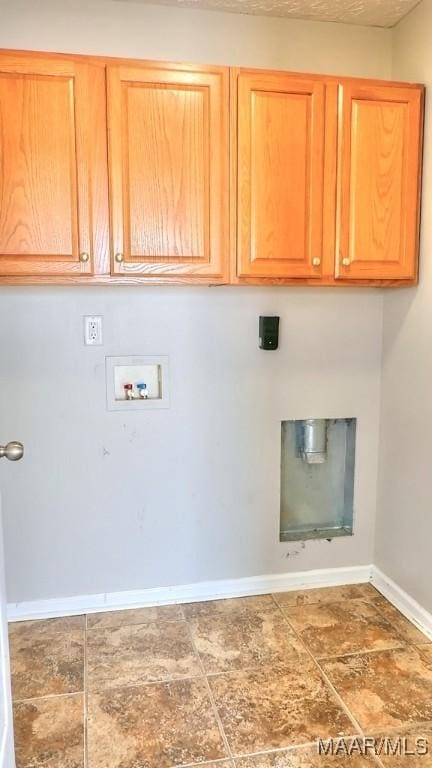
(374, 13)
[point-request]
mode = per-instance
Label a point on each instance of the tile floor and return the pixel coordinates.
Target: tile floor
(239, 683)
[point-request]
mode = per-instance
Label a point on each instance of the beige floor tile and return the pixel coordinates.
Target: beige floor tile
(153, 726)
(135, 616)
(426, 653)
(227, 643)
(239, 606)
(386, 689)
(49, 733)
(405, 628)
(223, 764)
(270, 708)
(141, 653)
(47, 626)
(45, 661)
(411, 748)
(349, 626)
(325, 595)
(303, 758)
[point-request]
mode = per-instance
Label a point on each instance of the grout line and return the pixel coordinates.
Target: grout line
(101, 691)
(378, 761)
(369, 651)
(48, 697)
(277, 750)
(218, 719)
(211, 697)
(243, 756)
(245, 670)
(113, 627)
(219, 761)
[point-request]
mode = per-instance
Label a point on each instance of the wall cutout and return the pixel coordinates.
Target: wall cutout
(137, 383)
(317, 478)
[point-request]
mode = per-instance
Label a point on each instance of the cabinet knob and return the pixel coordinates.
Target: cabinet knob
(346, 262)
(119, 257)
(84, 257)
(316, 262)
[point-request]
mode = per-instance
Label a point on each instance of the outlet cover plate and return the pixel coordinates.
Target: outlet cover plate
(93, 333)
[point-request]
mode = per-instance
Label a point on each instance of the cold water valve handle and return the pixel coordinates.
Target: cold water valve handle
(142, 390)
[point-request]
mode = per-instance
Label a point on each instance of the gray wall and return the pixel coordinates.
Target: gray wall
(107, 501)
(404, 526)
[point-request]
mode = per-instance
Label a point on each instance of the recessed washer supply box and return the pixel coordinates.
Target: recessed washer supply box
(137, 382)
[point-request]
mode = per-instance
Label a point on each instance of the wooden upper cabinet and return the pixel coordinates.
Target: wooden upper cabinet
(132, 171)
(168, 167)
(47, 172)
(278, 175)
(379, 161)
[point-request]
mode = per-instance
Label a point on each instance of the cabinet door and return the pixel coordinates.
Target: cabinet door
(280, 175)
(380, 132)
(169, 159)
(45, 164)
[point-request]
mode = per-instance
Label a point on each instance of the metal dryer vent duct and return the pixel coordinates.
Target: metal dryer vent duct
(313, 449)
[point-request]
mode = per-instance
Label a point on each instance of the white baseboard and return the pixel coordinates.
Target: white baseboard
(188, 593)
(402, 601)
(217, 590)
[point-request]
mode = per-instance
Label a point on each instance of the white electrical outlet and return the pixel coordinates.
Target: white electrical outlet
(93, 330)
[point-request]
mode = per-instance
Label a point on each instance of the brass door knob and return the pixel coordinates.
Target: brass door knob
(84, 257)
(316, 262)
(119, 257)
(346, 262)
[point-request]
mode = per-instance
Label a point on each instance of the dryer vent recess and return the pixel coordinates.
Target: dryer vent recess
(317, 478)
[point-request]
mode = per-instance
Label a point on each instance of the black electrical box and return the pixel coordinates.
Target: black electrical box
(268, 332)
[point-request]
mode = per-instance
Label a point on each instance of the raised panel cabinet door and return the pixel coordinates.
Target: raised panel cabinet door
(168, 164)
(279, 175)
(45, 164)
(379, 162)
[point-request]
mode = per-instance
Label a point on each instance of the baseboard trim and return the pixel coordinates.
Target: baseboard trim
(402, 601)
(217, 590)
(188, 593)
